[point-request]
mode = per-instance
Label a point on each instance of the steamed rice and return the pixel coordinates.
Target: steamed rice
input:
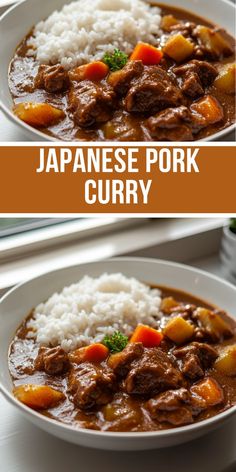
(84, 30)
(88, 310)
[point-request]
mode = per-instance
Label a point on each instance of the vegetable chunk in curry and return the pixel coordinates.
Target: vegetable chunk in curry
(181, 89)
(179, 372)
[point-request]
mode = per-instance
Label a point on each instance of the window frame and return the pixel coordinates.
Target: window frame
(35, 240)
(177, 239)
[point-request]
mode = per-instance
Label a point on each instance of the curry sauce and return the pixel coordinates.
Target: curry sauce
(140, 388)
(184, 100)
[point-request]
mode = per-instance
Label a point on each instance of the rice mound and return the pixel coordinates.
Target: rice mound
(84, 30)
(88, 310)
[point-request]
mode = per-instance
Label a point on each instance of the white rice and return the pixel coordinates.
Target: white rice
(85, 29)
(88, 310)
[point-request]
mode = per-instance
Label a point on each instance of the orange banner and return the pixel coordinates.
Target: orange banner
(117, 179)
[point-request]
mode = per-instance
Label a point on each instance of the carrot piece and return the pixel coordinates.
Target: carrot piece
(95, 71)
(209, 390)
(96, 352)
(38, 114)
(146, 53)
(209, 108)
(38, 397)
(150, 337)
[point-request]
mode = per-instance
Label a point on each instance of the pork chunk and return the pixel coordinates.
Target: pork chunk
(121, 79)
(52, 78)
(177, 407)
(175, 124)
(152, 373)
(120, 363)
(153, 91)
(53, 361)
(195, 77)
(186, 29)
(171, 407)
(91, 385)
(172, 124)
(91, 103)
(195, 358)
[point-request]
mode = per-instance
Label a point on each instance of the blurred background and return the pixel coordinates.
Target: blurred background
(30, 246)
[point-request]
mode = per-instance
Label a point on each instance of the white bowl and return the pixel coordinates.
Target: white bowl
(15, 305)
(18, 20)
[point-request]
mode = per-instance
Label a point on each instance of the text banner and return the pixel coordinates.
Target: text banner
(117, 179)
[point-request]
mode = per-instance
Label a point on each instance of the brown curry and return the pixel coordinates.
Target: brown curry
(181, 90)
(180, 372)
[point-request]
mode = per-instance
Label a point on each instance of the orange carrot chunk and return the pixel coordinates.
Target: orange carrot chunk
(94, 71)
(96, 352)
(209, 108)
(38, 397)
(146, 53)
(209, 390)
(150, 337)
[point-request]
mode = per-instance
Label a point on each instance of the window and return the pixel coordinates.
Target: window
(59, 244)
(20, 237)
(10, 226)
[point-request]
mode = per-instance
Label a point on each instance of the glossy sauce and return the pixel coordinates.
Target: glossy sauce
(130, 412)
(23, 71)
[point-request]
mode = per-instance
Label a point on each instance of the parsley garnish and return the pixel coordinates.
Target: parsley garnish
(116, 60)
(115, 342)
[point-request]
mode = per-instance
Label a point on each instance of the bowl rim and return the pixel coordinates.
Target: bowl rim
(111, 434)
(34, 132)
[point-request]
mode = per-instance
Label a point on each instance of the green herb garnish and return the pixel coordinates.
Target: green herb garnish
(116, 60)
(232, 225)
(115, 342)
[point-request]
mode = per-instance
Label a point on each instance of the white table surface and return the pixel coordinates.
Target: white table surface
(25, 448)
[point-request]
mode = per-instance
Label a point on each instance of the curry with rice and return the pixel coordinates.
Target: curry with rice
(177, 373)
(180, 89)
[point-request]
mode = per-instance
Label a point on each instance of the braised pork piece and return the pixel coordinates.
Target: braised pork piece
(181, 90)
(180, 372)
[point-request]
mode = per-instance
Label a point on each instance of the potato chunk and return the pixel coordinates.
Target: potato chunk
(226, 362)
(213, 323)
(178, 330)
(168, 21)
(209, 390)
(168, 303)
(213, 41)
(178, 47)
(209, 108)
(38, 397)
(226, 79)
(39, 115)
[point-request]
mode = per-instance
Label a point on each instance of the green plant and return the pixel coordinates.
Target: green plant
(116, 60)
(232, 225)
(115, 342)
